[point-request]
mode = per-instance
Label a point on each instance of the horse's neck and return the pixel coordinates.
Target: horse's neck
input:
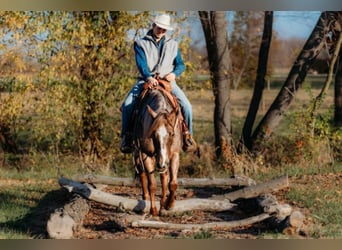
(157, 103)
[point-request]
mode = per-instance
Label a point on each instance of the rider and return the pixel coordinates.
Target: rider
(157, 54)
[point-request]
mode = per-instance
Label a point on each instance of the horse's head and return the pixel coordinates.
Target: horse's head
(165, 134)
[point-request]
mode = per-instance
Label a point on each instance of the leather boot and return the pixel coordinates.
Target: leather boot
(189, 144)
(126, 146)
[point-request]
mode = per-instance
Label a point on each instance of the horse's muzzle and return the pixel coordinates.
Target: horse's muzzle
(161, 168)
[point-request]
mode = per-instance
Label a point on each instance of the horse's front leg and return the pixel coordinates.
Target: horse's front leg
(144, 186)
(143, 177)
(164, 178)
(173, 184)
(152, 184)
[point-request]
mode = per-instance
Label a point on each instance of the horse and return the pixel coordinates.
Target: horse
(157, 139)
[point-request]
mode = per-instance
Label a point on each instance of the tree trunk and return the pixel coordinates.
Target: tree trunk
(295, 79)
(319, 99)
(214, 25)
(6, 140)
(338, 93)
(260, 81)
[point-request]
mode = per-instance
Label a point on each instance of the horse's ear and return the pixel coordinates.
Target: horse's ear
(151, 111)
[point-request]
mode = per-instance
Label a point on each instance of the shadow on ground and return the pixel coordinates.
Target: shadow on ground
(34, 223)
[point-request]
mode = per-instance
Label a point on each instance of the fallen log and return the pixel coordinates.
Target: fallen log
(141, 206)
(184, 182)
(210, 225)
(255, 190)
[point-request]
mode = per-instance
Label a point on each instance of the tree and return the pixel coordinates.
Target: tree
(214, 25)
(260, 81)
(85, 64)
(338, 93)
(12, 63)
(311, 49)
(244, 42)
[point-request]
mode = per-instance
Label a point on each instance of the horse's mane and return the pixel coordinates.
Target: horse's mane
(159, 103)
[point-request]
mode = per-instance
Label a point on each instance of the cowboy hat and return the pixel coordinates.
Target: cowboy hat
(163, 21)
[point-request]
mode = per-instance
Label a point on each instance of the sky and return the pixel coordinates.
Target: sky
(299, 24)
(287, 24)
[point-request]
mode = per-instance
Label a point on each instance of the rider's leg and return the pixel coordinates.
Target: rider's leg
(189, 142)
(184, 103)
(127, 112)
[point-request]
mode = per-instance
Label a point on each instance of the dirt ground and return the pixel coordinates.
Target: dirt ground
(102, 220)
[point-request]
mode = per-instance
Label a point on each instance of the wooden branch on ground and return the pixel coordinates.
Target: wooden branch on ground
(141, 206)
(256, 190)
(211, 225)
(279, 216)
(185, 182)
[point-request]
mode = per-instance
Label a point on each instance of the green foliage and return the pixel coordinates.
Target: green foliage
(303, 145)
(85, 68)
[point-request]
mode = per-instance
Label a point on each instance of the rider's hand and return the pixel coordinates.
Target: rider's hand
(152, 82)
(170, 77)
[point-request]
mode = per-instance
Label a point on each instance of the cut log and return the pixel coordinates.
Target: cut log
(256, 190)
(284, 219)
(141, 206)
(270, 205)
(211, 225)
(182, 182)
(60, 226)
(295, 219)
(68, 219)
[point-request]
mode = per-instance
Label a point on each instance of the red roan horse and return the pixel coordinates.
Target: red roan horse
(158, 141)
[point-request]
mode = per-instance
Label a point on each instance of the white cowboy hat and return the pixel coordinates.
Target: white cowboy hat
(163, 21)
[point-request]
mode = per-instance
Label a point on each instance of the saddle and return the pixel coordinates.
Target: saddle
(165, 87)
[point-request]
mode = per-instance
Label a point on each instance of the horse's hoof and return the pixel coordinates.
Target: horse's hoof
(151, 217)
(170, 206)
(162, 212)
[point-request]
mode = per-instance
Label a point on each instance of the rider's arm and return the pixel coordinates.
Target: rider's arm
(179, 64)
(140, 59)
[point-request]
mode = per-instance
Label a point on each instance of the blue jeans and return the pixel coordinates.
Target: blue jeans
(131, 98)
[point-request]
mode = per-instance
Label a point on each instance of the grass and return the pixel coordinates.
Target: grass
(19, 208)
(26, 193)
(316, 189)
